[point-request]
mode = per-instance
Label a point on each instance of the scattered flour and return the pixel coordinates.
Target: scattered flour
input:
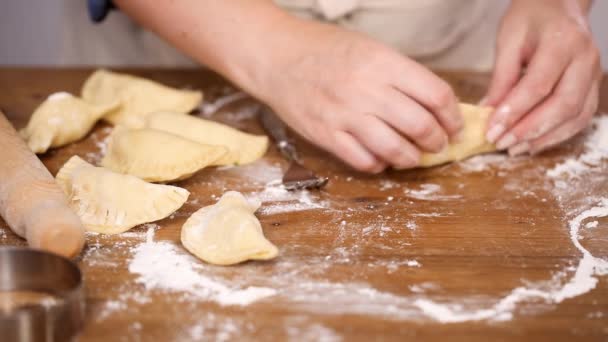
(276, 199)
(311, 332)
(583, 280)
(429, 192)
(592, 224)
(164, 266)
(484, 162)
(596, 149)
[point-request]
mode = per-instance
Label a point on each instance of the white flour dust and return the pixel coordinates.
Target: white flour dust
(101, 144)
(164, 266)
(429, 192)
(596, 149)
(276, 199)
(583, 281)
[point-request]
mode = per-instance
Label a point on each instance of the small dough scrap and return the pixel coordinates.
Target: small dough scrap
(138, 96)
(227, 232)
(244, 148)
(112, 203)
(61, 119)
(473, 138)
(157, 156)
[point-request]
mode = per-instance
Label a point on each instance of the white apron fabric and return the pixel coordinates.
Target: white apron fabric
(449, 34)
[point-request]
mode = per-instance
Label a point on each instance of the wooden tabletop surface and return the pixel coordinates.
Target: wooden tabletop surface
(478, 250)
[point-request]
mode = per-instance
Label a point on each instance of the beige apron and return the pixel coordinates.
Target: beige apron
(449, 34)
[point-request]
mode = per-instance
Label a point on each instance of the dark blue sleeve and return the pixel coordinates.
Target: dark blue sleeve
(98, 9)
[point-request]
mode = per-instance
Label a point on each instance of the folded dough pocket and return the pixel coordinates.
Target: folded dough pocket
(243, 147)
(138, 96)
(112, 203)
(473, 138)
(227, 232)
(61, 119)
(157, 156)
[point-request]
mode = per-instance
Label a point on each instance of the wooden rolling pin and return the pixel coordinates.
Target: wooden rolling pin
(31, 203)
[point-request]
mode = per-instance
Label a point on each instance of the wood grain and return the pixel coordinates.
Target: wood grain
(485, 234)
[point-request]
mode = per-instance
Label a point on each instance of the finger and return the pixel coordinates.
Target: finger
(543, 73)
(413, 121)
(432, 93)
(564, 104)
(382, 140)
(507, 70)
(347, 148)
(571, 127)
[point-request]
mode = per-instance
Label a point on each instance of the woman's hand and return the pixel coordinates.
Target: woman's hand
(547, 75)
(357, 98)
(351, 95)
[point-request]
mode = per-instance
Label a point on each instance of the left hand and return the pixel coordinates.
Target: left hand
(547, 75)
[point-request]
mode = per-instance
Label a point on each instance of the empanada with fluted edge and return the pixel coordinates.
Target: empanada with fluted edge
(112, 203)
(157, 156)
(243, 147)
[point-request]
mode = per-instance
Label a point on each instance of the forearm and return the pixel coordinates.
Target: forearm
(232, 37)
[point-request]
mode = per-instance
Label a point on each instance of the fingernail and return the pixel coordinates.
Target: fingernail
(519, 149)
(495, 132)
(506, 142)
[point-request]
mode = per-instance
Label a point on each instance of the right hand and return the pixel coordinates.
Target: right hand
(353, 96)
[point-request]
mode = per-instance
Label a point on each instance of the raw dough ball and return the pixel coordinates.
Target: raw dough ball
(243, 148)
(227, 232)
(61, 119)
(157, 156)
(112, 203)
(138, 96)
(473, 138)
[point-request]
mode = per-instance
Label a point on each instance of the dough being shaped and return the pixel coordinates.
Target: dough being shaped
(61, 119)
(227, 232)
(112, 203)
(473, 138)
(157, 156)
(138, 96)
(243, 148)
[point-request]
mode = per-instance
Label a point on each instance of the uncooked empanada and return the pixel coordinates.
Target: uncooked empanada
(61, 119)
(113, 203)
(227, 232)
(157, 156)
(473, 138)
(138, 96)
(244, 148)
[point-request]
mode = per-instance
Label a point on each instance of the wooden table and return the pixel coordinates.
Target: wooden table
(359, 259)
